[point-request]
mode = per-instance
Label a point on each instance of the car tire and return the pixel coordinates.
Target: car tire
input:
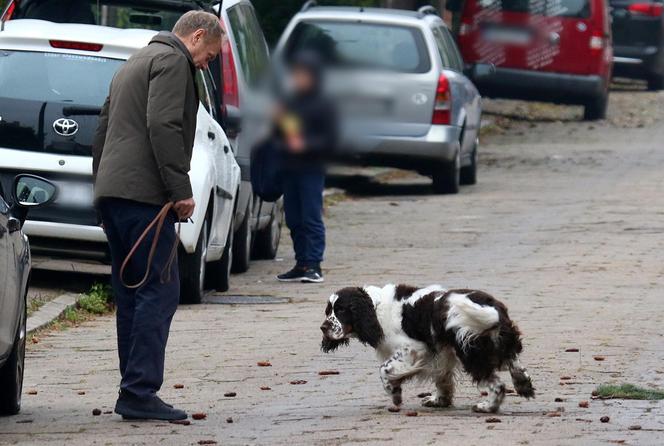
(595, 108)
(219, 271)
(447, 177)
(193, 270)
(242, 244)
(655, 82)
(469, 173)
(11, 374)
(266, 243)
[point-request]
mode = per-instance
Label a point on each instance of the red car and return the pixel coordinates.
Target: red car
(549, 50)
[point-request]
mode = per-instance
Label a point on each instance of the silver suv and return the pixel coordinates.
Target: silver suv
(401, 87)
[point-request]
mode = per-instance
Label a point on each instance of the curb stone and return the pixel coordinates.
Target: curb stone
(50, 311)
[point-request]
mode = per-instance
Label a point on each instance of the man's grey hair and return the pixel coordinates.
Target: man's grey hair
(194, 20)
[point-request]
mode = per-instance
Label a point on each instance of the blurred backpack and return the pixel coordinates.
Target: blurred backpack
(266, 171)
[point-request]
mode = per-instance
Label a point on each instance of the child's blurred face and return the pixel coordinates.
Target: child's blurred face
(303, 80)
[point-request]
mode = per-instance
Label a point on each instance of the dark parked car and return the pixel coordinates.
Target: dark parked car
(638, 40)
(244, 63)
(28, 191)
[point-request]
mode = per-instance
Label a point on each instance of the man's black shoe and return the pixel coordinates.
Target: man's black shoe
(125, 394)
(313, 275)
(295, 275)
(153, 408)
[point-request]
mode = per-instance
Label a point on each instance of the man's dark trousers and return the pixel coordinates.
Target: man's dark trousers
(303, 205)
(143, 315)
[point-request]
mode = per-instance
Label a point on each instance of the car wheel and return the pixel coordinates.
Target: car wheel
(655, 82)
(267, 239)
(446, 179)
(11, 374)
(193, 269)
(469, 173)
(219, 271)
(242, 244)
(595, 108)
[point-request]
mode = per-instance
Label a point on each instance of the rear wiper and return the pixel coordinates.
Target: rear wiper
(81, 110)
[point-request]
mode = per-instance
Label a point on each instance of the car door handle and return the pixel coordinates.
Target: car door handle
(211, 135)
(14, 224)
(225, 149)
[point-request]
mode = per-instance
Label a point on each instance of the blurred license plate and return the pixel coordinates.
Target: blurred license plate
(375, 107)
(507, 35)
(75, 194)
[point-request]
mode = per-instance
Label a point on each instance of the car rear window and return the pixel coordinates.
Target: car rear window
(553, 8)
(54, 77)
(362, 45)
(118, 14)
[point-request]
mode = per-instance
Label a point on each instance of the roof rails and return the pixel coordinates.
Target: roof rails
(308, 4)
(428, 10)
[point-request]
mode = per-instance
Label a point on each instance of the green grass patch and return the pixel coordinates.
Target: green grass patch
(99, 300)
(628, 392)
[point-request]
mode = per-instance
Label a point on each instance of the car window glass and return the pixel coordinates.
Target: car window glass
(555, 8)
(347, 44)
(203, 95)
(249, 42)
(211, 89)
(455, 57)
(440, 46)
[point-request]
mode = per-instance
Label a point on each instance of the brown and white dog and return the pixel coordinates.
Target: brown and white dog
(429, 334)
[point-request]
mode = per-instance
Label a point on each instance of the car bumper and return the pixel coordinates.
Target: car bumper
(636, 61)
(440, 143)
(543, 86)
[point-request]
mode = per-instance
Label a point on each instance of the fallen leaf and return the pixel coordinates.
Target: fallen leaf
(484, 393)
(230, 394)
(108, 412)
(298, 381)
(558, 400)
(604, 419)
(572, 350)
(584, 420)
(328, 372)
(96, 412)
(81, 392)
(423, 394)
(199, 416)
(584, 404)
(394, 409)
(492, 420)
(207, 442)
(265, 388)
(634, 427)
(178, 386)
(264, 364)
(182, 422)
(598, 358)
(411, 413)
(32, 392)
(553, 414)
(229, 420)
(595, 393)
(35, 340)
(617, 441)
(564, 378)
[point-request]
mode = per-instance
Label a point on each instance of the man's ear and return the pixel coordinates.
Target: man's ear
(330, 345)
(365, 322)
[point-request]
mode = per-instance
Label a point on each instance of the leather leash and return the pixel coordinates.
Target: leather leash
(159, 222)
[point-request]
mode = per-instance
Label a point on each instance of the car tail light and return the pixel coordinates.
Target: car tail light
(646, 9)
(443, 104)
(80, 46)
(230, 93)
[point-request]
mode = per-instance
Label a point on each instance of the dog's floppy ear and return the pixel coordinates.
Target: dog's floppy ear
(365, 322)
(330, 345)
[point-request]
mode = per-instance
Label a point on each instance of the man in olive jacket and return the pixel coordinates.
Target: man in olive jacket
(141, 159)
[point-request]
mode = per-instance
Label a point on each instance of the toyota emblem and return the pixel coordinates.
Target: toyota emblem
(65, 127)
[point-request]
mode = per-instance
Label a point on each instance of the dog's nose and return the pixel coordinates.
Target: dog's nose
(325, 327)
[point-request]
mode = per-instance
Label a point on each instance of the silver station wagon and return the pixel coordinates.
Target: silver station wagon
(399, 80)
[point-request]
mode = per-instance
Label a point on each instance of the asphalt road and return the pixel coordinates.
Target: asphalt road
(565, 226)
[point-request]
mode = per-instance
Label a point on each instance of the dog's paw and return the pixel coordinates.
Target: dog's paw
(433, 401)
(484, 407)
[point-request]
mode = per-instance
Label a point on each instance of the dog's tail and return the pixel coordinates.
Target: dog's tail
(469, 319)
(521, 380)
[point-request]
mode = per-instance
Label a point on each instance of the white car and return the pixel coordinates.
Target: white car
(53, 81)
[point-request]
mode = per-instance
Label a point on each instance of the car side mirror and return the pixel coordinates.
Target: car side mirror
(232, 119)
(30, 191)
(480, 70)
